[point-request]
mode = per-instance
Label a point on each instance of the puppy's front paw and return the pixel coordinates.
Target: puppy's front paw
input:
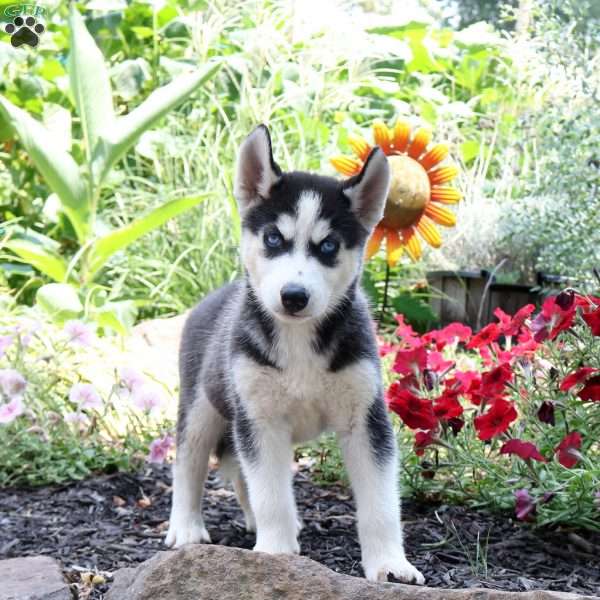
(274, 545)
(398, 566)
(186, 532)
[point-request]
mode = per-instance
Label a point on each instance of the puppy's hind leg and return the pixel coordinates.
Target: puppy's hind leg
(232, 471)
(202, 429)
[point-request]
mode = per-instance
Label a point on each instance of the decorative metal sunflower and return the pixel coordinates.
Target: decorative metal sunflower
(417, 190)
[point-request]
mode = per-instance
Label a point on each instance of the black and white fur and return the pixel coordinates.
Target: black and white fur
(286, 353)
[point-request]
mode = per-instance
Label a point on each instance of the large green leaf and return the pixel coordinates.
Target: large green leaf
(103, 248)
(128, 129)
(57, 167)
(41, 253)
(90, 82)
(60, 301)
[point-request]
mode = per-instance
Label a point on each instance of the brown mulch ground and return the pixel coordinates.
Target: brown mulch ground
(113, 521)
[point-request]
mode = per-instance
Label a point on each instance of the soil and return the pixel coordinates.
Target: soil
(113, 521)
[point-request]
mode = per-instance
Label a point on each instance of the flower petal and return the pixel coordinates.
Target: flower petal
(374, 242)
(419, 143)
(346, 165)
(394, 246)
(443, 175)
(429, 231)
(440, 215)
(359, 146)
(412, 243)
(436, 155)
(382, 136)
(445, 195)
(401, 135)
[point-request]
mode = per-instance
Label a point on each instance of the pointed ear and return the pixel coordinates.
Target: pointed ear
(368, 190)
(256, 169)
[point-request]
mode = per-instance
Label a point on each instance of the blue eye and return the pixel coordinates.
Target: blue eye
(273, 239)
(328, 246)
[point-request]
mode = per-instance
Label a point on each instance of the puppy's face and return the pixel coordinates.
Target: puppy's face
(303, 235)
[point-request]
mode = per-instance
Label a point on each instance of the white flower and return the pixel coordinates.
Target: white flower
(85, 395)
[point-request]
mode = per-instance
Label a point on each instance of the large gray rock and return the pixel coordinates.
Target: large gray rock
(32, 578)
(219, 573)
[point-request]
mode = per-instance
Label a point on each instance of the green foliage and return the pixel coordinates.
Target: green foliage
(106, 137)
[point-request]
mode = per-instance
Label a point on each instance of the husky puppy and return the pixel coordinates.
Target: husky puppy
(288, 352)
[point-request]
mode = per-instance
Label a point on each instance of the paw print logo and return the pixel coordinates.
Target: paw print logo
(24, 31)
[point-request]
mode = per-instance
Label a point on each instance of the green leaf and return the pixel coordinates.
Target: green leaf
(103, 248)
(57, 167)
(469, 150)
(416, 311)
(128, 129)
(90, 83)
(119, 316)
(60, 301)
(41, 253)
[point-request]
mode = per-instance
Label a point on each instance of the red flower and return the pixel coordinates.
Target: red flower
(466, 380)
(593, 321)
(447, 406)
(410, 362)
(456, 425)
(422, 440)
(591, 390)
(557, 314)
(494, 381)
(527, 344)
(496, 420)
(568, 450)
(546, 412)
(525, 450)
(416, 412)
(578, 377)
(490, 333)
(448, 335)
(385, 348)
(510, 326)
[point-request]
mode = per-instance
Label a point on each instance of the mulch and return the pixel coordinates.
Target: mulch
(113, 521)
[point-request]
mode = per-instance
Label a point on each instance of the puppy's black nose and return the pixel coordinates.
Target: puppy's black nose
(294, 298)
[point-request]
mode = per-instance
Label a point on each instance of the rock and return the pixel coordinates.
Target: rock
(32, 578)
(205, 572)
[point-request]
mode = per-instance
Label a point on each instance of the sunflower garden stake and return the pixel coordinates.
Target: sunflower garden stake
(418, 190)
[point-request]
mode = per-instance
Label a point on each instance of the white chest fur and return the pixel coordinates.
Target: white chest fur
(302, 394)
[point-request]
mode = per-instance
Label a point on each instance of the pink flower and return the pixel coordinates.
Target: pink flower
(159, 449)
(147, 398)
(455, 332)
(5, 342)
(85, 395)
(9, 412)
(26, 329)
(75, 417)
(130, 378)
(407, 335)
(524, 505)
(12, 383)
(437, 363)
(79, 333)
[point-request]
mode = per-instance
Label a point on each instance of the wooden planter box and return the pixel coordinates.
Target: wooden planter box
(470, 297)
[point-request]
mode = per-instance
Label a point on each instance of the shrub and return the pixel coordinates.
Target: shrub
(508, 417)
(62, 418)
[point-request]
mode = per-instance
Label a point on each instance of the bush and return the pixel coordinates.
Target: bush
(511, 425)
(55, 425)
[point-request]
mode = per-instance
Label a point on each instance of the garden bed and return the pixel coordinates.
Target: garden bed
(118, 520)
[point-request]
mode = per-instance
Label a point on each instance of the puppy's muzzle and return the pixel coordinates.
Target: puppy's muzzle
(294, 298)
